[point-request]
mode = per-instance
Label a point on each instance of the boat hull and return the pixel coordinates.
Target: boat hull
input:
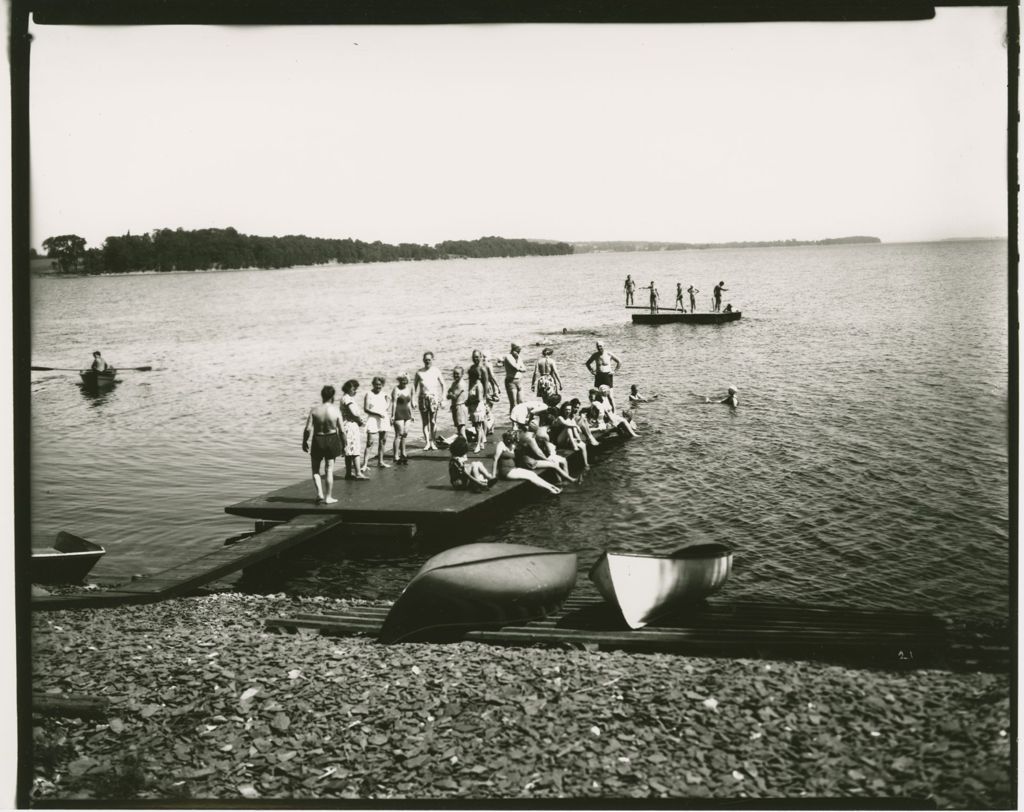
(479, 586)
(670, 317)
(646, 587)
(98, 380)
(70, 560)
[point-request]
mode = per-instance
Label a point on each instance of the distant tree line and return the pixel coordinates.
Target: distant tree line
(622, 245)
(220, 248)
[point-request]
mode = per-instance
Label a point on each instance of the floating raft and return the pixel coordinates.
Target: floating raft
(897, 638)
(419, 493)
(676, 316)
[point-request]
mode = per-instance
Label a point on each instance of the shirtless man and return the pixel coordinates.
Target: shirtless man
(655, 296)
(718, 295)
(428, 392)
(514, 370)
(693, 298)
(629, 287)
(324, 425)
(600, 366)
(98, 364)
(679, 296)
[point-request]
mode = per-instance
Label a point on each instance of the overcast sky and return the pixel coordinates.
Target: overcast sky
(572, 132)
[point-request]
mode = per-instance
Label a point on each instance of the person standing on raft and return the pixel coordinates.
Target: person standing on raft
(428, 389)
(654, 296)
(717, 294)
(513, 371)
(679, 297)
(323, 426)
(693, 298)
(629, 287)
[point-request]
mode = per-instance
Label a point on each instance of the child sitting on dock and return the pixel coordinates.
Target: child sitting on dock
(464, 473)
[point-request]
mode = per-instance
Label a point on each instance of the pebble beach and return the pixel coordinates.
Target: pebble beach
(204, 704)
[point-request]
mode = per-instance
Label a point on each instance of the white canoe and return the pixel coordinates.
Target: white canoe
(647, 586)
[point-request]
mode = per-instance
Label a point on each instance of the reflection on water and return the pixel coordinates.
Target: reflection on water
(866, 464)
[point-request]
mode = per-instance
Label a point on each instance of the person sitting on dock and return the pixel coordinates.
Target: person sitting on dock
(466, 474)
(513, 371)
(523, 413)
(401, 416)
(377, 405)
(532, 456)
(679, 297)
(98, 364)
(567, 433)
(728, 309)
(323, 426)
(600, 366)
(717, 295)
(693, 298)
(428, 389)
(603, 414)
(352, 422)
(629, 287)
(505, 464)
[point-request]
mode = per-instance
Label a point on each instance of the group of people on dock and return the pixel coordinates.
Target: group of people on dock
(630, 287)
(549, 422)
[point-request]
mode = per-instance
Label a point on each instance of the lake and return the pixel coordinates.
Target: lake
(866, 465)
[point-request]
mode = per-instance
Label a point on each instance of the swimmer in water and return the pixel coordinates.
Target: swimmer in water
(732, 399)
(636, 397)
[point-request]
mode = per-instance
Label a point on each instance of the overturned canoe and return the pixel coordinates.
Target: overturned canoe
(645, 587)
(671, 316)
(479, 586)
(68, 562)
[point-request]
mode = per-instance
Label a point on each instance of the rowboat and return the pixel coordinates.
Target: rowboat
(92, 378)
(68, 562)
(477, 586)
(676, 316)
(646, 586)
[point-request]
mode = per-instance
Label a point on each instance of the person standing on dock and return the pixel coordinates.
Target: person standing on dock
(629, 287)
(513, 372)
(693, 298)
(377, 405)
(717, 295)
(654, 296)
(428, 388)
(401, 416)
(323, 426)
(679, 297)
(490, 385)
(545, 376)
(600, 366)
(352, 421)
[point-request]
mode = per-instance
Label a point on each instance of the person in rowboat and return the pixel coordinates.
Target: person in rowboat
(600, 366)
(428, 389)
(98, 364)
(323, 426)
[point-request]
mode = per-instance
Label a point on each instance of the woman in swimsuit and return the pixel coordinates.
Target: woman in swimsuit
(567, 434)
(377, 405)
(457, 394)
(401, 414)
(476, 403)
(505, 464)
(531, 456)
(545, 376)
(352, 422)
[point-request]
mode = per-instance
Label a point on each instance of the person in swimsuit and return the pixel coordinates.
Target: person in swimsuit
(428, 389)
(457, 394)
(732, 399)
(98, 364)
(490, 387)
(693, 298)
(513, 370)
(476, 403)
(717, 295)
(605, 415)
(679, 296)
(352, 422)
(636, 397)
(545, 376)
(323, 427)
(401, 416)
(600, 366)
(466, 474)
(531, 456)
(629, 287)
(567, 433)
(505, 464)
(377, 405)
(655, 296)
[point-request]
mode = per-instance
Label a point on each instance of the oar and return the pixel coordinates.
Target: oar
(79, 369)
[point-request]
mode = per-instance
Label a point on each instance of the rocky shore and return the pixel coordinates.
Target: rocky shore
(204, 704)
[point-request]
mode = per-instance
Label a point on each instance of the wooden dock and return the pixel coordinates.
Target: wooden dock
(191, 575)
(755, 629)
(419, 493)
(666, 316)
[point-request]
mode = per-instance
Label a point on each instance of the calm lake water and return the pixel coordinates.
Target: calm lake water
(867, 463)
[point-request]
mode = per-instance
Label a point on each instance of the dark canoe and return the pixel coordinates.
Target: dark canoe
(68, 562)
(669, 317)
(90, 377)
(645, 587)
(479, 586)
